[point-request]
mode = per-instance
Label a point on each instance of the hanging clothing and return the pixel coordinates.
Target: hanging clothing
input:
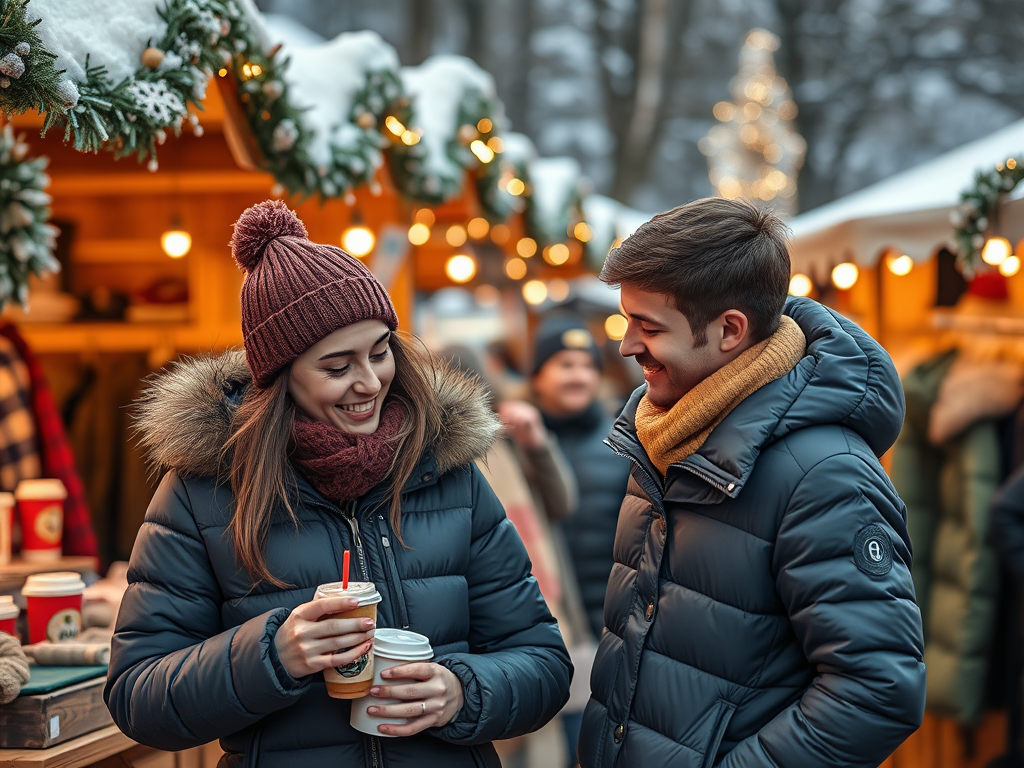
(55, 457)
(19, 444)
(948, 487)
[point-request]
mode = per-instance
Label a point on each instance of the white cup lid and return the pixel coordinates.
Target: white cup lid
(53, 584)
(46, 488)
(366, 591)
(401, 644)
(8, 610)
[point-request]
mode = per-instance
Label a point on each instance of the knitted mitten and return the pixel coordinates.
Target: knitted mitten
(13, 668)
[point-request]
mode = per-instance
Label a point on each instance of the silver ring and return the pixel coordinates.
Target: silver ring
(424, 705)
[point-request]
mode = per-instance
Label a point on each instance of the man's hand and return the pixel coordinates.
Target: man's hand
(524, 424)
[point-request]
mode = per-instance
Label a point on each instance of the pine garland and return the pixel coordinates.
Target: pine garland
(978, 208)
(27, 239)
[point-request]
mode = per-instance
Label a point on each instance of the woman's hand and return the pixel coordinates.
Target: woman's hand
(430, 696)
(524, 423)
(307, 643)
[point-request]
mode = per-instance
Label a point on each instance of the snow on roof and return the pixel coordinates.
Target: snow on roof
(325, 78)
(519, 148)
(554, 181)
(909, 211)
(437, 87)
(113, 33)
(290, 33)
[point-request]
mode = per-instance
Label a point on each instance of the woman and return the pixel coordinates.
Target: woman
(333, 433)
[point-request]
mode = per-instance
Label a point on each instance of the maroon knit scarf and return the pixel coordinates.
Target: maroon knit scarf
(343, 466)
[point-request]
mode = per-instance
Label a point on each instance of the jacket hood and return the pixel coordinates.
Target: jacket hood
(183, 418)
(845, 378)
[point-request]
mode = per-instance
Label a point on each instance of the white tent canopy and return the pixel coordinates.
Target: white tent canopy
(908, 211)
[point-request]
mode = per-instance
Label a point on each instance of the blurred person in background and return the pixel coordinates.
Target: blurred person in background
(536, 486)
(566, 379)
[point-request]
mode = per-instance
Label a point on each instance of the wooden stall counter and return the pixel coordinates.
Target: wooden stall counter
(108, 748)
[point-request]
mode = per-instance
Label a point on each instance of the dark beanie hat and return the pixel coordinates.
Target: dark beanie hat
(563, 331)
(296, 292)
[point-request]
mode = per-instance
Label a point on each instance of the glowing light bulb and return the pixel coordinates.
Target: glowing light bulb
(534, 291)
(483, 153)
(1010, 266)
(515, 268)
(478, 228)
(419, 234)
(456, 235)
(845, 275)
(526, 247)
(425, 216)
(556, 254)
(460, 268)
(800, 285)
(515, 187)
(615, 327)
(900, 265)
(176, 243)
(358, 241)
(995, 251)
(582, 232)
(558, 289)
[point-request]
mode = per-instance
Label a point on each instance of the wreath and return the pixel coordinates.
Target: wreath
(979, 209)
(27, 239)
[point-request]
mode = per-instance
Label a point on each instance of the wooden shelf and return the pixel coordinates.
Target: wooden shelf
(92, 338)
(83, 751)
(14, 573)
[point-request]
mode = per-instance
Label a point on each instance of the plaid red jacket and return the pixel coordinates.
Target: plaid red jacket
(54, 452)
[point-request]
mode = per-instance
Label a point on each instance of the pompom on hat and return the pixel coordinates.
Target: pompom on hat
(296, 292)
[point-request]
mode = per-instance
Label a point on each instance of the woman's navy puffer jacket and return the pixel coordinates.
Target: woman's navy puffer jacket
(192, 657)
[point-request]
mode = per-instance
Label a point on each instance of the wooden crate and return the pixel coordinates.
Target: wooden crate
(46, 719)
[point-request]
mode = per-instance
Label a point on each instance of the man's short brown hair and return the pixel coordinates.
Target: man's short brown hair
(710, 255)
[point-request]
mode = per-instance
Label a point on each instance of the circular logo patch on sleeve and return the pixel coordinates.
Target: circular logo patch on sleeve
(872, 550)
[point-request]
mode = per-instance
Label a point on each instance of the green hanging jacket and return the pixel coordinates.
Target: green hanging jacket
(948, 490)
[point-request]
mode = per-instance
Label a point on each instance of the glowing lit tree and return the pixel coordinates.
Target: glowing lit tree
(755, 152)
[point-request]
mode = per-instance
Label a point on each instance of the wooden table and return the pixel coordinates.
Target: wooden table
(13, 575)
(83, 751)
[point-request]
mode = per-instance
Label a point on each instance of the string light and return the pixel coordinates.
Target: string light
(500, 234)
(800, 285)
(1010, 266)
(394, 125)
(582, 232)
(995, 251)
(419, 234)
(526, 247)
(460, 268)
(615, 327)
(496, 144)
(845, 275)
(515, 187)
(515, 268)
(535, 291)
(484, 125)
(456, 235)
(899, 265)
(425, 216)
(556, 254)
(176, 243)
(358, 241)
(558, 289)
(478, 228)
(483, 153)
(410, 138)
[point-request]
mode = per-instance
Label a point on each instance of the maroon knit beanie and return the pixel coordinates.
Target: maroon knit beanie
(296, 292)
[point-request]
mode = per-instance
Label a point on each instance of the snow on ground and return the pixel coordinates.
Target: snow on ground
(325, 79)
(437, 87)
(114, 32)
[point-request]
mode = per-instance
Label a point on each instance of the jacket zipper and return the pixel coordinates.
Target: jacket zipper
(349, 516)
(656, 496)
(392, 564)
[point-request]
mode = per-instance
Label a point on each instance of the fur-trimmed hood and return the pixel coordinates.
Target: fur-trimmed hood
(183, 418)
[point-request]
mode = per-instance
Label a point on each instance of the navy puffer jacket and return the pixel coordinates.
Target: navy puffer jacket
(761, 613)
(192, 658)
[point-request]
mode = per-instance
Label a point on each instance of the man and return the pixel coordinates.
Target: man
(760, 611)
(566, 376)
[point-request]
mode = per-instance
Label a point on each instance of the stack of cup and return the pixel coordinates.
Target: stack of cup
(351, 680)
(6, 526)
(391, 647)
(8, 615)
(54, 606)
(41, 513)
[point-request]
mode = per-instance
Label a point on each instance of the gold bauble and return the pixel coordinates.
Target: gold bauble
(152, 58)
(366, 121)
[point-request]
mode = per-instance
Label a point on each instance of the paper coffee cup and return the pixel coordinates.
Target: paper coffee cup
(54, 606)
(6, 526)
(8, 615)
(41, 512)
(391, 647)
(351, 681)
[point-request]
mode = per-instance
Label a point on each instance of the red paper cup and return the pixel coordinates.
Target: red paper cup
(41, 512)
(6, 526)
(8, 615)
(54, 606)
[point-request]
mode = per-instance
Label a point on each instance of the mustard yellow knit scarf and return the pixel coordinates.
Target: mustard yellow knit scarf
(669, 436)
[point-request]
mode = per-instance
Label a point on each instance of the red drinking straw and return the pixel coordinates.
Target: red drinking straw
(344, 570)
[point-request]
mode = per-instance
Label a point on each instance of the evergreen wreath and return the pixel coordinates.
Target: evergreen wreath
(27, 239)
(978, 209)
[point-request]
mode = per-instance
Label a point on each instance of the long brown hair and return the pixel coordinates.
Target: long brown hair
(261, 474)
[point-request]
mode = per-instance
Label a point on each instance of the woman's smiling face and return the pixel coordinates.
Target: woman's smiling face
(342, 380)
